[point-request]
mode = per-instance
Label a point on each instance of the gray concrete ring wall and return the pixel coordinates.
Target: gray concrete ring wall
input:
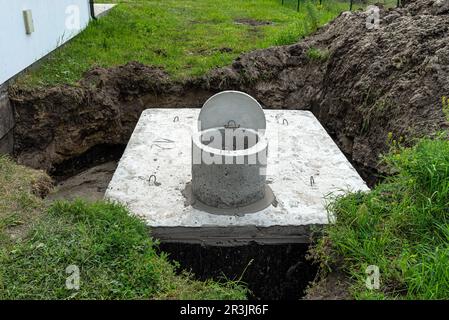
(225, 175)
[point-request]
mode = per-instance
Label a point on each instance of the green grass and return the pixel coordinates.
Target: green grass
(316, 54)
(115, 255)
(445, 103)
(19, 205)
(187, 38)
(401, 226)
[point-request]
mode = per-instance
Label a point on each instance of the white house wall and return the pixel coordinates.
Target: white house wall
(55, 22)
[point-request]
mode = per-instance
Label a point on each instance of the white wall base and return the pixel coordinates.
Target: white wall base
(55, 22)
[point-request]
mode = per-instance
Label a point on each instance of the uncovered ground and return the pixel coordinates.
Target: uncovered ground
(332, 72)
(186, 38)
(112, 249)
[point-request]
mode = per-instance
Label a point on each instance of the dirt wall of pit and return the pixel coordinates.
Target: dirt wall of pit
(367, 84)
(6, 122)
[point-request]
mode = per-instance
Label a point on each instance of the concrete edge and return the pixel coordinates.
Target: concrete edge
(236, 236)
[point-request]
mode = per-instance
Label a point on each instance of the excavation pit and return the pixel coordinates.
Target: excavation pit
(304, 166)
(271, 272)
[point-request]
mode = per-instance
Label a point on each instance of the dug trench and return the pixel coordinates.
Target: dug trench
(367, 87)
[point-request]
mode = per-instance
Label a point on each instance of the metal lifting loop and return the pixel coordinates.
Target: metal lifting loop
(150, 178)
(231, 125)
(312, 181)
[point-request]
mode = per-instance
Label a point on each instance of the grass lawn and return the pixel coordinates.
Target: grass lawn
(186, 37)
(114, 254)
(401, 226)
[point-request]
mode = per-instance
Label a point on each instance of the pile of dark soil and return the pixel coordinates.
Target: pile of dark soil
(368, 84)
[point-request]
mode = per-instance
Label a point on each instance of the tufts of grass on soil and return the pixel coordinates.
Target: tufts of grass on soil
(316, 54)
(20, 202)
(401, 226)
(445, 103)
(187, 37)
(115, 256)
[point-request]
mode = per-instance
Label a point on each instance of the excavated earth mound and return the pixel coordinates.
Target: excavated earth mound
(364, 84)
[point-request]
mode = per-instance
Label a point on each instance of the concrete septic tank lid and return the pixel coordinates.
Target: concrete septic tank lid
(232, 107)
(305, 166)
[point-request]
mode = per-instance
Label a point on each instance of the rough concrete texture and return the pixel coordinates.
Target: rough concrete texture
(225, 174)
(228, 185)
(304, 166)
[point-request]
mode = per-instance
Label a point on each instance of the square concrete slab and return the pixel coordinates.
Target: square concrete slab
(305, 168)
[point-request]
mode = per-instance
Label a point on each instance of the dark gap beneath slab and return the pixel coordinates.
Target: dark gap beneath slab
(97, 155)
(271, 272)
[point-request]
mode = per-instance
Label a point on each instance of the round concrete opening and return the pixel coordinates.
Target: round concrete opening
(229, 139)
(229, 161)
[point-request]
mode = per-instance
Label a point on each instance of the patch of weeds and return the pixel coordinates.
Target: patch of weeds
(290, 35)
(312, 14)
(372, 108)
(395, 145)
(20, 203)
(445, 103)
(116, 257)
(10, 220)
(113, 251)
(400, 226)
(316, 54)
